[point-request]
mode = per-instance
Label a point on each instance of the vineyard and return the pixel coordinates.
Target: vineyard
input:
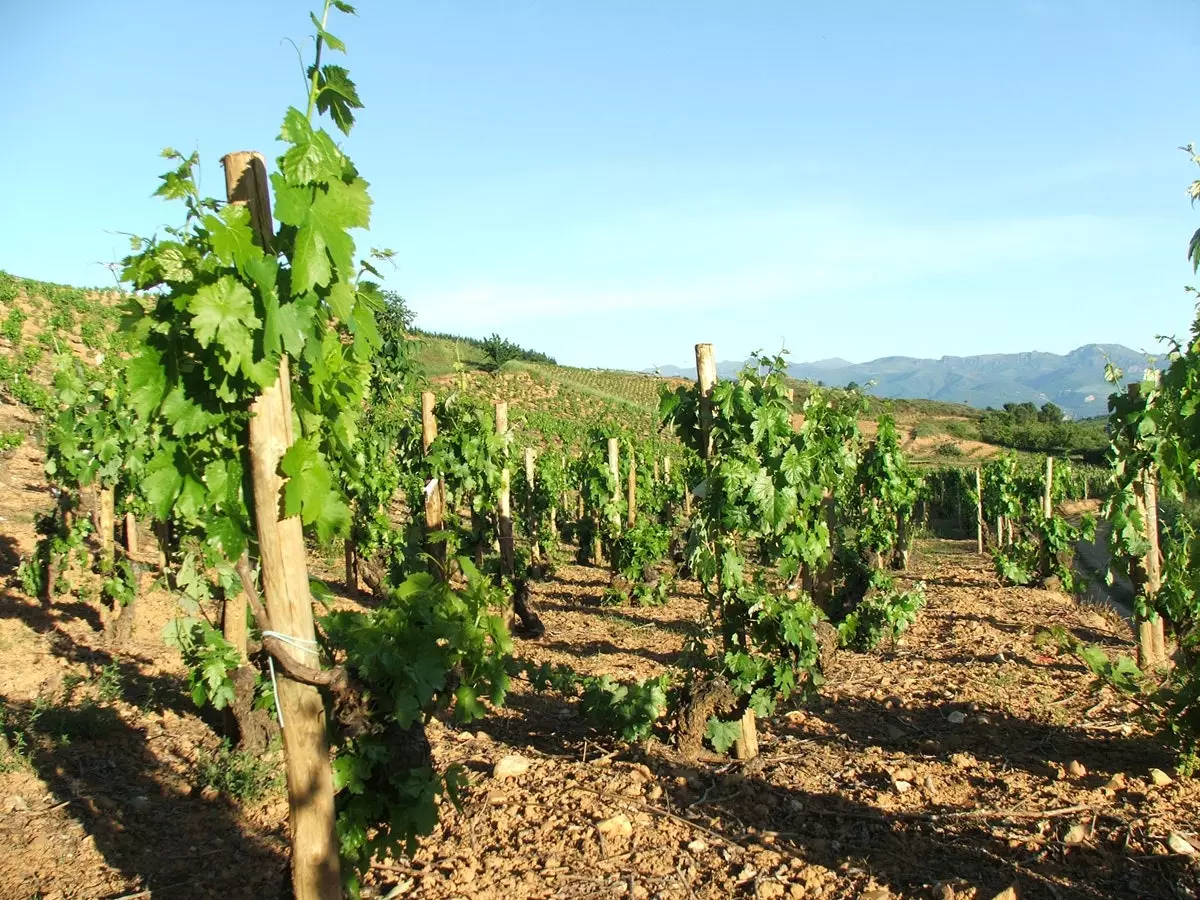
(299, 601)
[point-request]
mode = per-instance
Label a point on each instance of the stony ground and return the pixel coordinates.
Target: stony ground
(960, 763)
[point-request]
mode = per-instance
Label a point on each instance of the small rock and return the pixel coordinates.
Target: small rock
(902, 787)
(1160, 778)
(1009, 893)
(747, 874)
(209, 793)
(1179, 845)
(1077, 835)
(496, 798)
(16, 803)
(1076, 769)
(877, 894)
(770, 890)
(641, 772)
(1116, 783)
(510, 766)
(905, 774)
(654, 792)
(618, 825)
(697, 846)
(483, 737)
(943, 892)
(956, 717)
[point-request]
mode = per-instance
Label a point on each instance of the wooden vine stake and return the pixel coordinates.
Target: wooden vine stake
(131, 535)
(706, 377)
(631, 492)
(435, 495)
(105, 524)
(1048, 495)
(614, 465)
(746, 746)
(1153, 565)
(979, 510)
(1147, 571)
(351, 559)
(535, 550)
(315, 863)
(508, 562)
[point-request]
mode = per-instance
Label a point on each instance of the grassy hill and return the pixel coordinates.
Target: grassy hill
(38, 319)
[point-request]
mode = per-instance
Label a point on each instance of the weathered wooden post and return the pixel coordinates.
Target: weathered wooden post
(131, 535)
(435, 497)
(1048, 495)
(706, 377)
(979, 510)
(746, 746)
(105, 524)
(614, 465)
(1153, 567)
(535, 550)
(508, 559)
(351, 559)
(631, 492)
(315, 862)
(1147, 576)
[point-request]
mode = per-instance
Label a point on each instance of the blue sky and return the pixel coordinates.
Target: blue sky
(613, 182)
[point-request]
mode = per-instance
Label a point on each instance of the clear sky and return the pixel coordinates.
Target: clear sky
(611, 182)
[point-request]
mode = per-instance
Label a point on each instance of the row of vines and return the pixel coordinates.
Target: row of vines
(267, 403)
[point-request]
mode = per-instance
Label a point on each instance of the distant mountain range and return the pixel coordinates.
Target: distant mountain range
(1075, 381)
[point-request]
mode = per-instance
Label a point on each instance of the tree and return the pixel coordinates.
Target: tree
(1022, 413)
(396, 312)
(1050, 414)
(499, 351)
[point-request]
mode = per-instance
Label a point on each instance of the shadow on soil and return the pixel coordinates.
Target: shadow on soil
(553, 600)
(101, 768)
(907, 852)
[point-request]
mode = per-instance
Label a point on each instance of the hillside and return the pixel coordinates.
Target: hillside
(1074, 381)
(550, 402)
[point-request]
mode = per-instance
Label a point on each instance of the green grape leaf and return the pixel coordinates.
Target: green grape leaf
(308, 480)
(310, 262)
(313, 157)
(185, 416)
(308, 491)
(723, 735)
(162, 484)
(233, 238)
(337, 95)
(294, 320)
(226, 535)
(224, 313)
(147, 382)
(330, 41)
(467, 707)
